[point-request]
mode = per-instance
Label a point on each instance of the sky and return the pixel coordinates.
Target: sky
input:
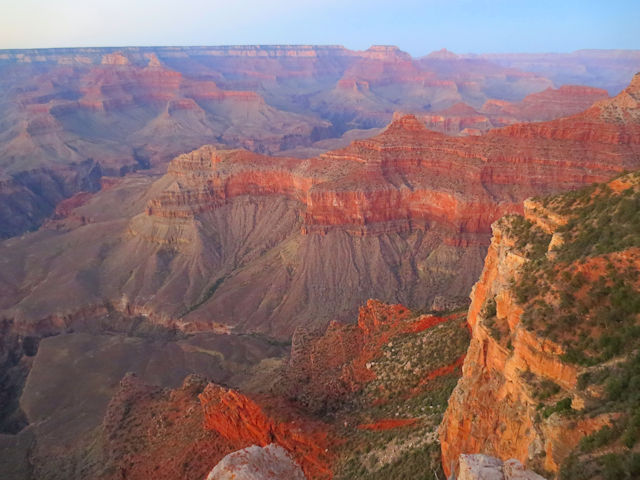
(418, 27)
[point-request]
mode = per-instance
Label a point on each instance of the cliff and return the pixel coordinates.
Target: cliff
(403, 216)
(547, 314)
(135, 107)
(148, 429)
(409, 176)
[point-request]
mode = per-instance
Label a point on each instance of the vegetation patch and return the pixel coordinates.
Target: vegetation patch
(585, 297)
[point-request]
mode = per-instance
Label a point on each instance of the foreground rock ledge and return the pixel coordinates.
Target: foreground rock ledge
(484, 467)
(257, 463)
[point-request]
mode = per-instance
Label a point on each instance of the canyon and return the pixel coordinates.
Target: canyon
(219, 257)
(236, 241)
(70, 116)
(151, 422)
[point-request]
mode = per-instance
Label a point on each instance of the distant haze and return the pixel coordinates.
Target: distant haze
(416, 26)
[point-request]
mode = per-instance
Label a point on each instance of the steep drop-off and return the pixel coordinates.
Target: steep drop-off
(549, 378)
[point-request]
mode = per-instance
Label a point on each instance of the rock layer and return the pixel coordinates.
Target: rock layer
(409, 176)
(132, 108)
(403, 216)
(533, 386)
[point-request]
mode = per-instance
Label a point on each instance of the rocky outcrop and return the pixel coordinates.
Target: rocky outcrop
(483, 467)
(327, 368)
(520, 395)
(239, 419)
(257, 463)
(149, 429)
(493, 409)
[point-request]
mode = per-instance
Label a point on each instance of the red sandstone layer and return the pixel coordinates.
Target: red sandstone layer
(409, 176)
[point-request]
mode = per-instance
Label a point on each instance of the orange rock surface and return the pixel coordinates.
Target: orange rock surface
(388, 424)
(493, 409)
(409, 176)
(240, 420)
(154, 432)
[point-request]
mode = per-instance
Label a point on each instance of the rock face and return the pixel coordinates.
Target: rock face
(240, 420)
(148, 429)
(525, 391)
(483, 467)
(257, 463)
(135, 108)
(408, 175)
(403, 216)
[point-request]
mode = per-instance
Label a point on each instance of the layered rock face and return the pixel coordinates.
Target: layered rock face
(132, 108)
(409, 176)
(147, 429)
(239, 419)
(403, 216)
(529, 389)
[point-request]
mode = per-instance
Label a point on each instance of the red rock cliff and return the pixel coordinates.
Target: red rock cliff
(409, 176)
(519, 396)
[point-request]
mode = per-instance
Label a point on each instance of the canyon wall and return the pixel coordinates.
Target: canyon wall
(238, 241)
(133, 108)
(533, 379)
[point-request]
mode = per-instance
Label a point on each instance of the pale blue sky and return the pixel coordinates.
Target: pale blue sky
(417, 27)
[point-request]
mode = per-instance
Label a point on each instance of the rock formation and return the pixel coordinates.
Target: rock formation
(239, 419)
(407, 175)
(257, 463)
(403, 216)
(532, 385)
(132, 108)
(462, 119)
(483, 467)
(326, 369)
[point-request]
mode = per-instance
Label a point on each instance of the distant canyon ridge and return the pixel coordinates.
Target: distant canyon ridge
(71, 116)
(208, 210)
(234, 240)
